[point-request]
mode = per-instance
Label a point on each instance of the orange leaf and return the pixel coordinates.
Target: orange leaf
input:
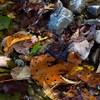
(43, 69)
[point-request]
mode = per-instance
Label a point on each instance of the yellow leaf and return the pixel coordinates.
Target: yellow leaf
(41, 39)
(11, 15)
(15, 39)
(89, 67)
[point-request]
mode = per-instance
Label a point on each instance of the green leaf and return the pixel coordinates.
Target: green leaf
(35, 48)
(4, 22)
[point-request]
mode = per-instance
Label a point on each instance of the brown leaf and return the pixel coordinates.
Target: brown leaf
(42, 69)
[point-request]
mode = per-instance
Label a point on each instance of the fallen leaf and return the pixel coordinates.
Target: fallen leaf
(42, 69)
(69, 81)
(35, 48)
(91, 78)
(3, 61)
(20, 73)
(50, 92)
(86, 95)
(20, 41)
(15, 39)
(4, 22)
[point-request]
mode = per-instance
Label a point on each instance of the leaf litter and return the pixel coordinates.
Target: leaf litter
(49, 50)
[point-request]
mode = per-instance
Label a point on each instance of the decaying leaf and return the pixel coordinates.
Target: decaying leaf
(3, 61)
(20, 41)
(91, 78)
(42, 69)
(73, 94)
(20, 73)
(50, 92)
(86, 95)
(15, 39)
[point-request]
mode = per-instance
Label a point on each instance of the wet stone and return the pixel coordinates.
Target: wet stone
(59, 20)
(94, 10)
(77, 5)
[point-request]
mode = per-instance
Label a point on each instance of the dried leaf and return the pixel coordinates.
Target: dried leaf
(20, 41)
(42, 69)
(3, 61)
(69, 81)
(15, 39)
(86, 95)
(50, 92)
(20, 73)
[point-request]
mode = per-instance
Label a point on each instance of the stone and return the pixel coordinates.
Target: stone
(94, 10)
(77, 5)
(92, 22)
(59, 20)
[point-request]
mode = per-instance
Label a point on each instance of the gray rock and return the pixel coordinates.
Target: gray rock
(92, 22)
(59, 20)
(97, 36)
(77, 5)
(94, 10)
